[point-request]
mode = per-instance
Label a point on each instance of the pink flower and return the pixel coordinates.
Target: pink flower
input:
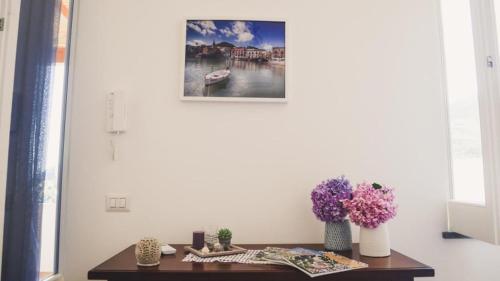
(371, 205)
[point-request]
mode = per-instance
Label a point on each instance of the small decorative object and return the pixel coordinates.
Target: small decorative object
(210, 240)
(198, 239)
(205, 250)
(327, 200)
(218, 247)
(148, 252)
(371, 206)
(225, 236)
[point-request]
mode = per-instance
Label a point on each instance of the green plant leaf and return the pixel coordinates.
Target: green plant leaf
(224, 233)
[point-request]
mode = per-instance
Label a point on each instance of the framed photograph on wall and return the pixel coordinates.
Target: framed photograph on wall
(234, 60)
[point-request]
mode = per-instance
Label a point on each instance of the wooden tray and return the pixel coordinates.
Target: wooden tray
(233, 250)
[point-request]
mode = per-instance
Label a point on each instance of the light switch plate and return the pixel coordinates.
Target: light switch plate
(117, 203)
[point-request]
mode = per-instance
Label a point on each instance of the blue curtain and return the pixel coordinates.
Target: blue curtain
(35, 60)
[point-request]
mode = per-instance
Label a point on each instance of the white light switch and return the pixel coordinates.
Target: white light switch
(122, 203)
(117, 203)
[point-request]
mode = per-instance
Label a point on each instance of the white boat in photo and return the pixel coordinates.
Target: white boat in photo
(278, 62)
(217, 76)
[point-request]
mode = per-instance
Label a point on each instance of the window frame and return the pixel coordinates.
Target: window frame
(64, 173)
(471, 219)
(8, 48)
(68, 57)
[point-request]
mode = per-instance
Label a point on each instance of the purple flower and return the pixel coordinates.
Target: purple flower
(371, 205)
(327, 199)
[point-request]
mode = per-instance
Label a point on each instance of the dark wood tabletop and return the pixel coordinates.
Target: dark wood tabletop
(123, 267)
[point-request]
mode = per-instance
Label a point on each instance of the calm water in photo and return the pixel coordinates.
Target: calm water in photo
(247, 79)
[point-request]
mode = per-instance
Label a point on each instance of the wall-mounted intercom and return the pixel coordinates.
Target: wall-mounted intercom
(116, 119)
(116, 113)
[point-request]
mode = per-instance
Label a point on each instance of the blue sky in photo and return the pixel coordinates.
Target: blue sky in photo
(260, 34)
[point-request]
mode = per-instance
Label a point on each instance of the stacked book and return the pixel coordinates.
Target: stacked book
(311, 262)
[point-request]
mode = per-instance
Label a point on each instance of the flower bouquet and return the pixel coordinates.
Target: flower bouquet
(370, 207)
(328, 207)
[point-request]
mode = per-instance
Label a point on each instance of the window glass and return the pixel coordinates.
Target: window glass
(50, 213)
(463, 106)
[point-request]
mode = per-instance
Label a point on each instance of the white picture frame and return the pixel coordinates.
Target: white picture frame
(182, 52)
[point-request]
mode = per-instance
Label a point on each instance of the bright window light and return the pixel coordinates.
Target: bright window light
(463, 105)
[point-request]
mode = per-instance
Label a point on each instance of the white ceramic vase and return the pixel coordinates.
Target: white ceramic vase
(374, 242)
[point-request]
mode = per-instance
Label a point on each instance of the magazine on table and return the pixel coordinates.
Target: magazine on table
(313, 263)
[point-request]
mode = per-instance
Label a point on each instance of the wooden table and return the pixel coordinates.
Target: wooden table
(122, 267)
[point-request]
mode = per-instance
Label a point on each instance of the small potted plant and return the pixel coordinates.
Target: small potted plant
(225, 236)
(370, 207)
(327, 200)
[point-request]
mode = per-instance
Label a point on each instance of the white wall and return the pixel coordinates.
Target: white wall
(369, 105)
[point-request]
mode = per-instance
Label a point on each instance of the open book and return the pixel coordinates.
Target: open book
(313, 263)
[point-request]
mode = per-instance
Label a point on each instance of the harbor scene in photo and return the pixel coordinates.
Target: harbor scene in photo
(231, 58)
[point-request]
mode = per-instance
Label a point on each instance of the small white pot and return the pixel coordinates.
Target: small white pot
(374, 242)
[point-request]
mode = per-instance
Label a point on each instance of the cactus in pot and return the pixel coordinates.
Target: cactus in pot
(225, 236)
